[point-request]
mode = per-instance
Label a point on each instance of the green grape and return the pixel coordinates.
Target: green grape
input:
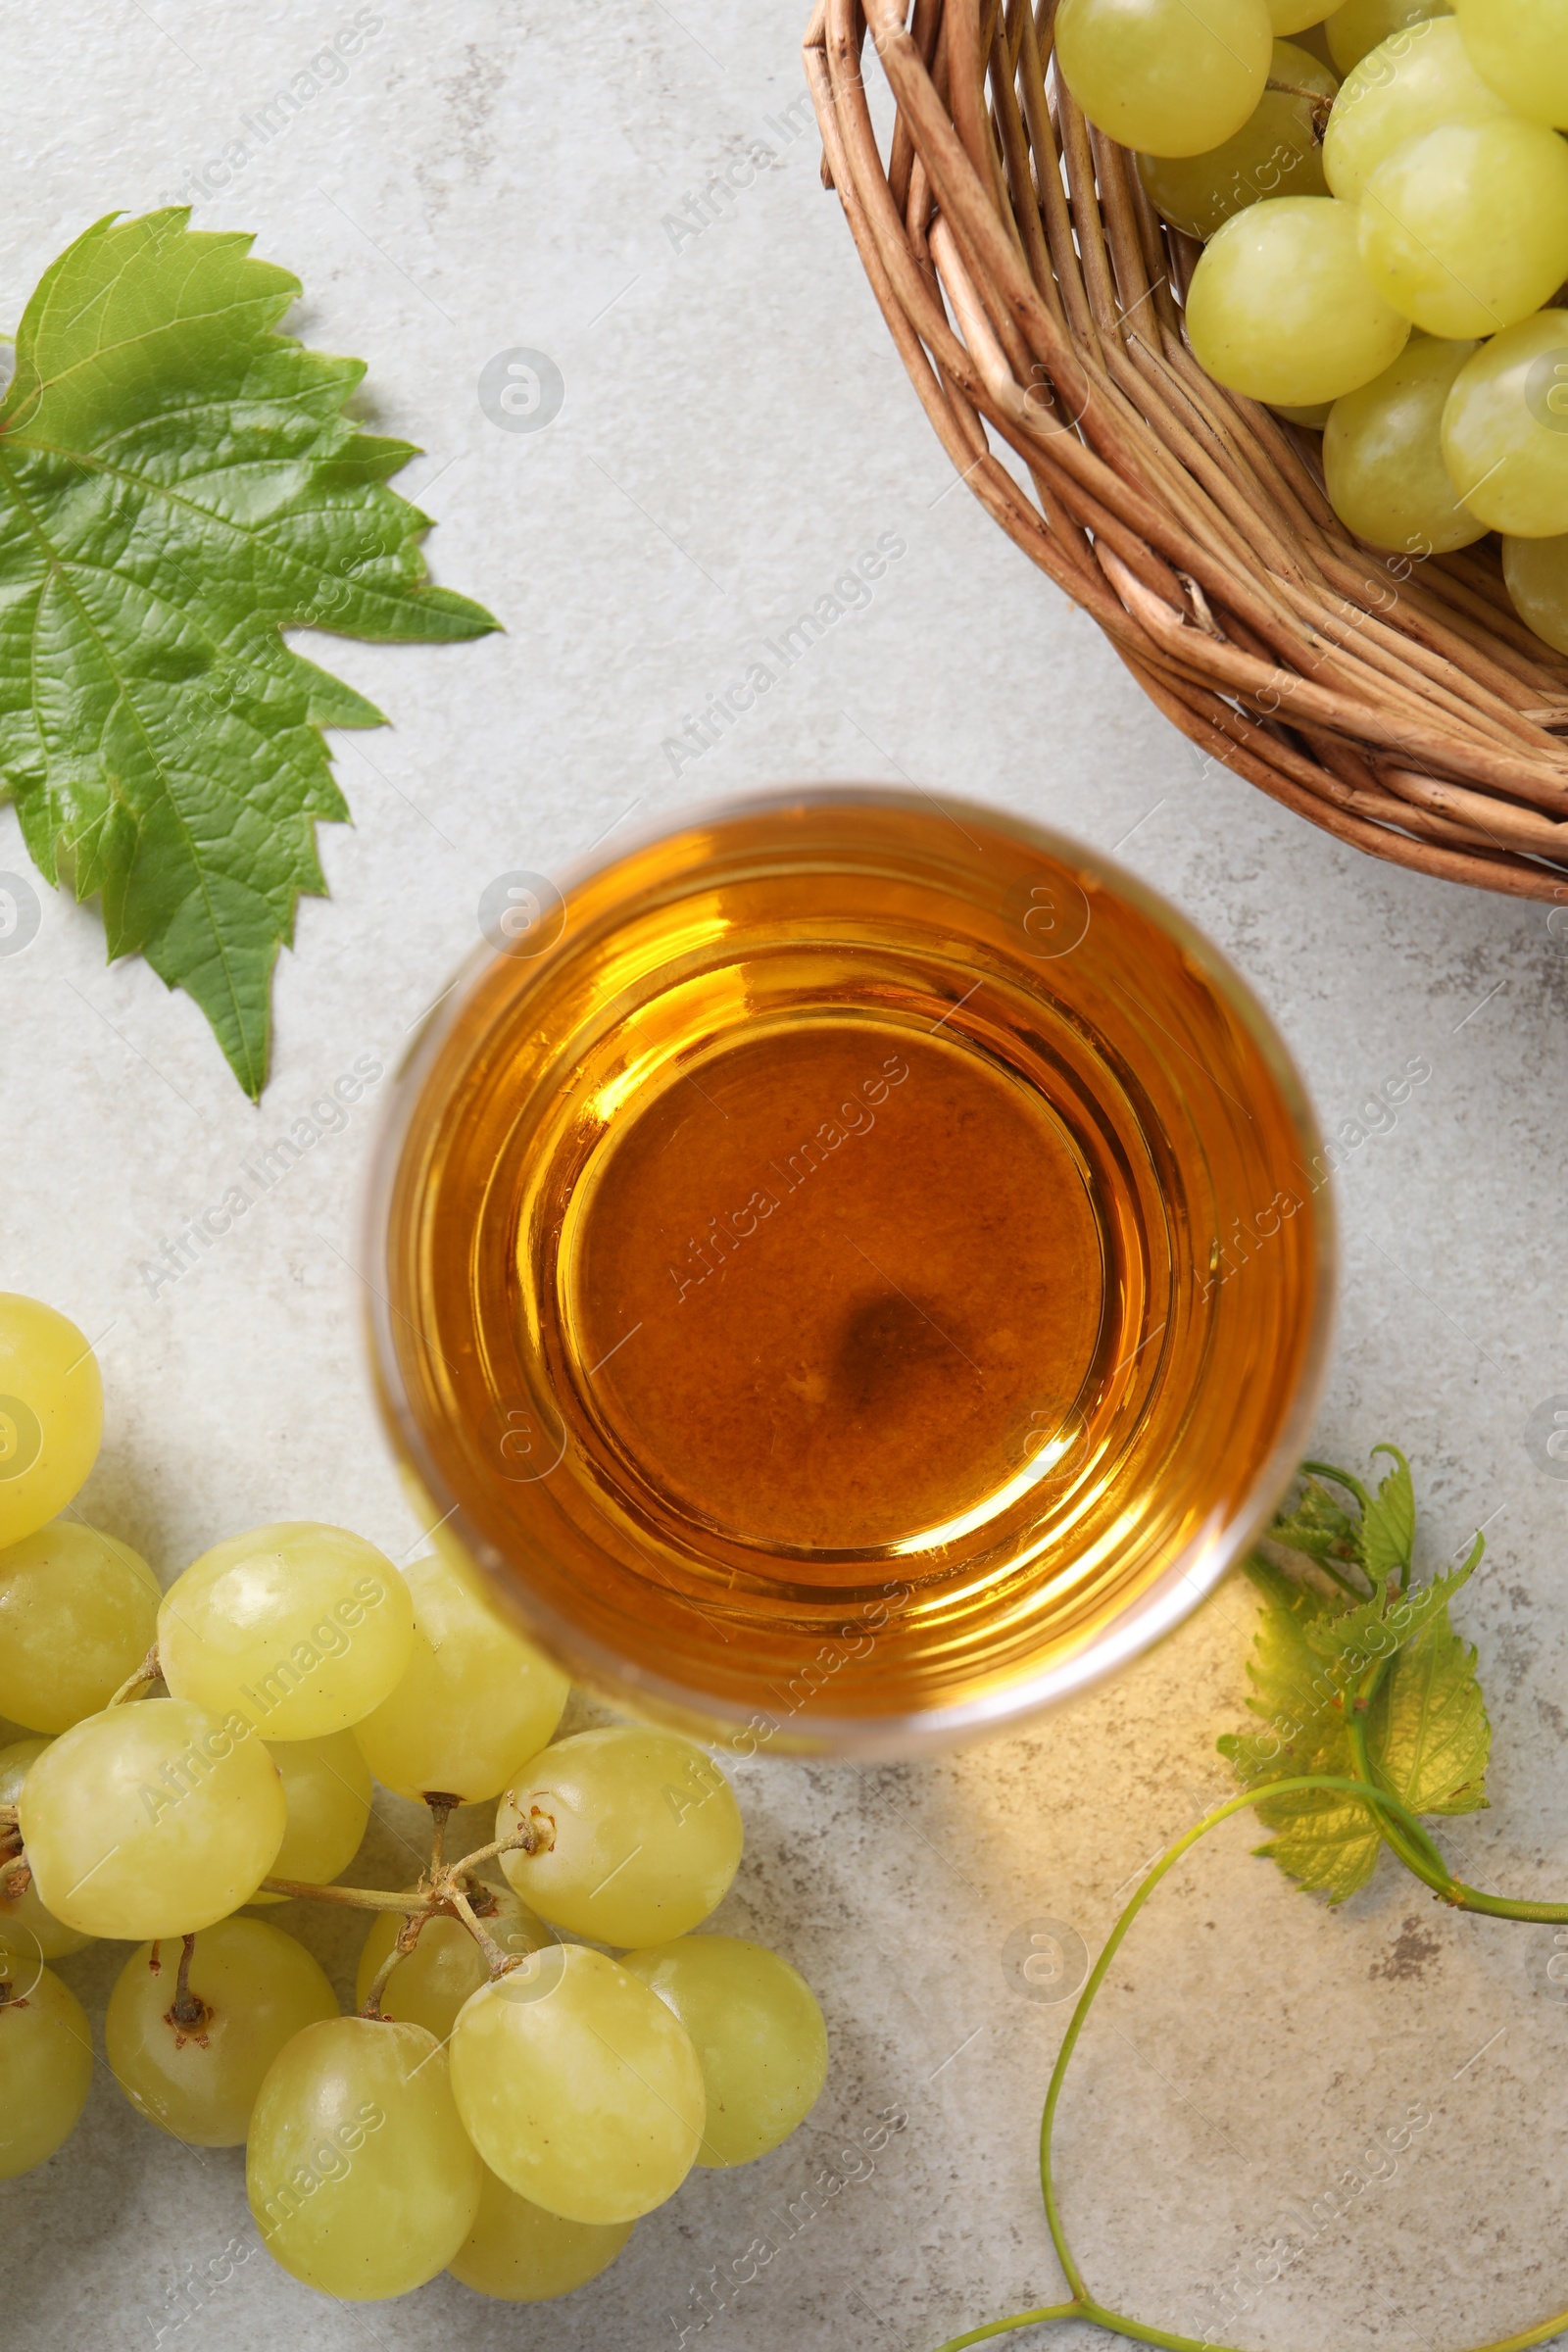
(153, 1819)
(1295, 16)
(51, 1414)
(1521, 47)
(1537, 573)
(1465, 229)
(1314, 417)
(301, 1628)
(258, 1989)
(1362, 26)
(327, 1788)
(578, 2087)
(45, 2067)
(1414, 83)
(27, 1927)
(1274, 153)
(758, 2034)
(1505, 430)
(475, 1700)
(646, 1835)
(1279, 307)
(1383, 455)
(362, 2179)
(430, 1983)
(1169, 77)
(78, 1613)
(520, 2254)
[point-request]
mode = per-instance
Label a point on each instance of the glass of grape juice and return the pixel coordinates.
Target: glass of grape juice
(853, 1269)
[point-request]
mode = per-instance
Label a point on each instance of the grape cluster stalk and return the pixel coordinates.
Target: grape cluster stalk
(450, 1889)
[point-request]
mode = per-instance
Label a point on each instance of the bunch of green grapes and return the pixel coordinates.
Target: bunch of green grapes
(1381, 255)
(508, 2101)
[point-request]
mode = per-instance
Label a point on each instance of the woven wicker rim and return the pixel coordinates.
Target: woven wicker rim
(1030, 286)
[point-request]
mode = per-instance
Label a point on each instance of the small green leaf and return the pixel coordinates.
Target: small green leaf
(1386, 1539)
(1317, 1525)
(178, 485)
(1351, 1641)
(1323, 1841)
(1428, 1739)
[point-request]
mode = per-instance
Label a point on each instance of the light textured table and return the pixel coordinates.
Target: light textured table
(736, 430)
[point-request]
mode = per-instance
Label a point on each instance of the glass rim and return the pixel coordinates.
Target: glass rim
(1181, 1586)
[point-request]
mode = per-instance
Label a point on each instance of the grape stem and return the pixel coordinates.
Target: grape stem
(187, 2013)
(1320, 105)
(13, 1855)
(451, 1890)
(446, 1889)
(408, 1936)
(360, 1898)
(136, 1685)
(528, 1838)
(440, 1807)
(499, 1960)
(436, 1892)
(480, 1894)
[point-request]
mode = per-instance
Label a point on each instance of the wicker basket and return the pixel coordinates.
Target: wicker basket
(1031, 288)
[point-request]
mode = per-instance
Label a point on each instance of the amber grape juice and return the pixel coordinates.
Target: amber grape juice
(855, 1271)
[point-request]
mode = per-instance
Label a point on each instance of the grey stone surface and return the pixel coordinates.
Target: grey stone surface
(734, 429)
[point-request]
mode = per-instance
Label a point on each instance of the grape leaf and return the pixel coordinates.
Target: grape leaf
(1387, 1537)
(1317, 1525)
(1322, 1840)
(177, 485)
(1427, 1737)
(1432, 1739)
